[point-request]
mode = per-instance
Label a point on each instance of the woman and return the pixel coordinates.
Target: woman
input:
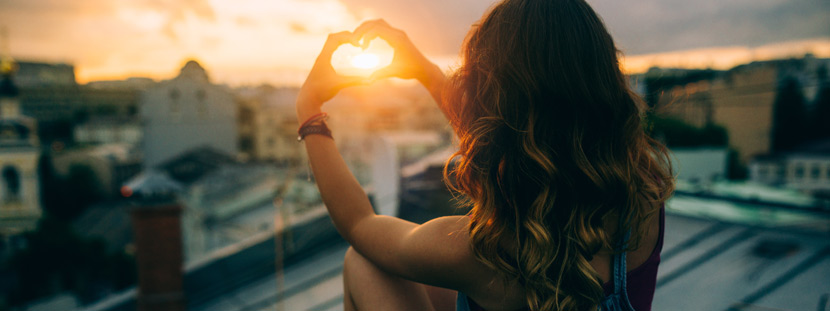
(566, 188)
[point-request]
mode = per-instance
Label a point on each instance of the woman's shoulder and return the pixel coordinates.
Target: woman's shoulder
(451, 236)
(453, 229)
(482, 284)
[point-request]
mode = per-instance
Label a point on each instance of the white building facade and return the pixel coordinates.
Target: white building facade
(807, 169)
(185, 113)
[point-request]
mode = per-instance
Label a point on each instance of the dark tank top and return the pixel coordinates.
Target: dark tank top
(640, 283)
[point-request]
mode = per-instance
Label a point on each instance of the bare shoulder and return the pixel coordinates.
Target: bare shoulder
(438, 253)
(450, 227)
(445, 241)
(472, 277)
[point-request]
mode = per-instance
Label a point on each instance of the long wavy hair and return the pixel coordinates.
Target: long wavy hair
(552, 147)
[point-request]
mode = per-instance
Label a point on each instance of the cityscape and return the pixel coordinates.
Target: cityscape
(118, 191)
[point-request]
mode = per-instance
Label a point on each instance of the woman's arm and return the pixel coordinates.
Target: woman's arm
(436, 253)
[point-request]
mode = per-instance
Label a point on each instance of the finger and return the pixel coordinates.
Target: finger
(378, 28)
(334, 41)
(365, 26)
(367, 38)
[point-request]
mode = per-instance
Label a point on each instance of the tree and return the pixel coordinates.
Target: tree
(66, 198)
(736, 170)
(677, 134)
(820, 123)
(56, 259)
(789, 117)
(81, 188)
(49, 184)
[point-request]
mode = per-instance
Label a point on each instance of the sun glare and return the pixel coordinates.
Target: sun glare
(365, 61)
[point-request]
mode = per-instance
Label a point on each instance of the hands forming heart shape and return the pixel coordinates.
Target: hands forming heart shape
(350, 60)
(361, 59)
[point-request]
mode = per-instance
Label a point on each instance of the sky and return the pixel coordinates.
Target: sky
(275, 41)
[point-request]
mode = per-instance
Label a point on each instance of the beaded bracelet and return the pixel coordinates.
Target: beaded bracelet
(314, 118)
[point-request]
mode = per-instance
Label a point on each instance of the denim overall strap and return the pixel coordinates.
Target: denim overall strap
(620, 268)
(618, 300)
(461, 303)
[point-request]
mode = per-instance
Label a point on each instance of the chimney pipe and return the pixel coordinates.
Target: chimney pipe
(158, 240)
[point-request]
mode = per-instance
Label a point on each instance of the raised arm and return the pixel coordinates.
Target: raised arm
(435, 253)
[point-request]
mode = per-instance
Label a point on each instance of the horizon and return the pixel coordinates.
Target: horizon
(717, 58)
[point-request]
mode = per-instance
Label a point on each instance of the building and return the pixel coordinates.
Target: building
(109, 130)
(112, 164)
(113, 98)
(806, 168)
(215, 187)
(700, 165)
(268, 124)
(187, 112)
(48, 93)
(19, 151)
(740, 99)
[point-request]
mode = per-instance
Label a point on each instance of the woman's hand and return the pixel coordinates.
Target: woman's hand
(323, 82)
(407, 63)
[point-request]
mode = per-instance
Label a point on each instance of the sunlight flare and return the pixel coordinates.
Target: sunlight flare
(365, 61)
(349, 60)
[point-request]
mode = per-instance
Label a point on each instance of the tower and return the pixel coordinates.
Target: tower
(19, 187)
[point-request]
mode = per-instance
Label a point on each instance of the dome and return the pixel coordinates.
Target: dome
(193, 70)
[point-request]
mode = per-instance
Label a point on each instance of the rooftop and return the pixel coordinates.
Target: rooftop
(706, 265)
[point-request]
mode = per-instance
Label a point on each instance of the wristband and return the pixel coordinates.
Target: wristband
(318, 129)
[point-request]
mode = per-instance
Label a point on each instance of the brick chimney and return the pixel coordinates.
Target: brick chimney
(157, 235)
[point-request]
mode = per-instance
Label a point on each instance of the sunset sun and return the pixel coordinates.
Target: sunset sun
(365, 61)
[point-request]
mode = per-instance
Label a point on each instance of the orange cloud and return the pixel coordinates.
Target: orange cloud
(726, 57)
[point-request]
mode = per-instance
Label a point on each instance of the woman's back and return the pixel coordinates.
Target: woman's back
(641, 267)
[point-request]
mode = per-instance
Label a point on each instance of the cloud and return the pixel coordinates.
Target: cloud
(175, 12)
(639, 27)
(437, 27)
(245, 21)
(653, 26)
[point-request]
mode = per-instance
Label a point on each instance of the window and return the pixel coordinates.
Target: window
(799, 170)
(175, 94)
(175, 106)
(815, 172)
(11, 184)
(763, 172)
(201, 105)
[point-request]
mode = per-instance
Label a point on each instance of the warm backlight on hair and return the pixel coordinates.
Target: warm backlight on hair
(365, 61)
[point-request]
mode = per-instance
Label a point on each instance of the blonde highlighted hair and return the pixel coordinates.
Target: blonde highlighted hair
(552, 147)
